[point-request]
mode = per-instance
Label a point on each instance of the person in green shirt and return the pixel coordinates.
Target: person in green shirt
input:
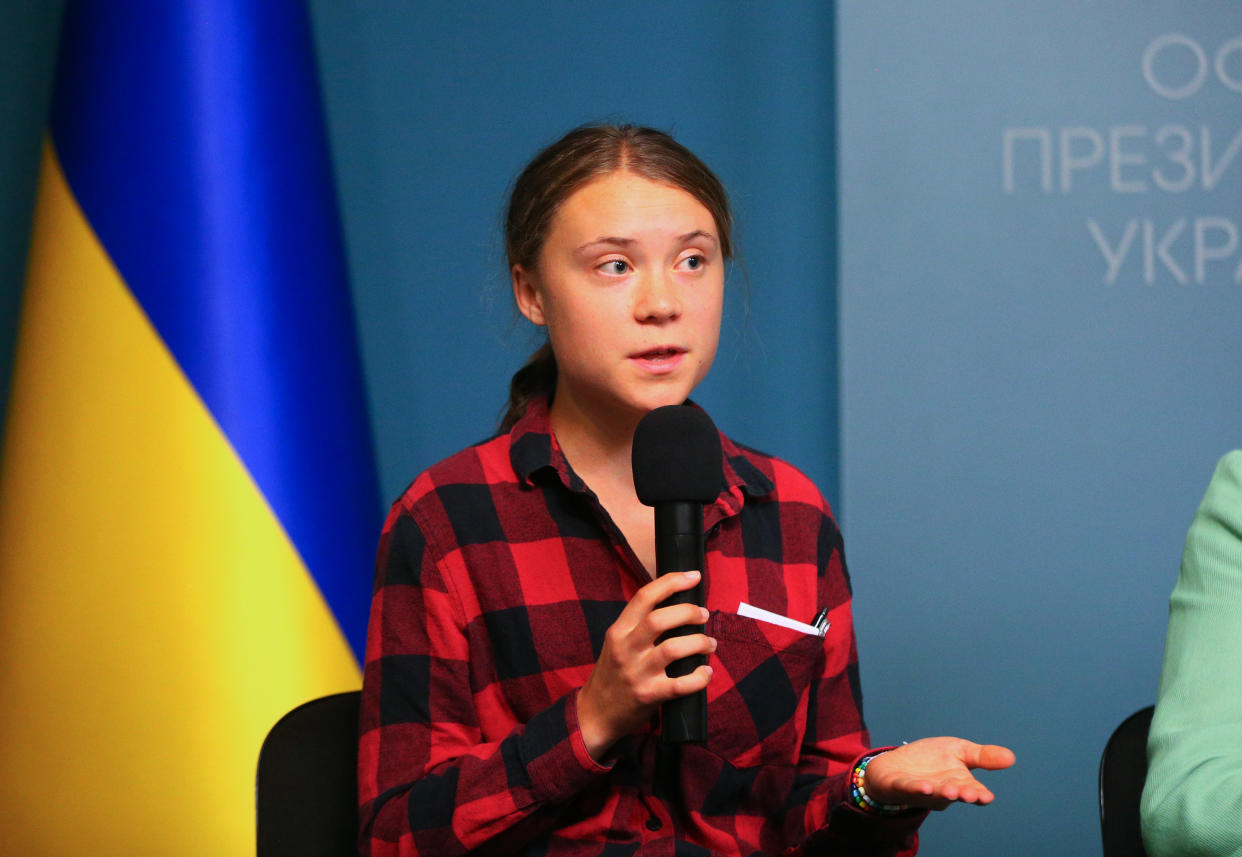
(1192, 799)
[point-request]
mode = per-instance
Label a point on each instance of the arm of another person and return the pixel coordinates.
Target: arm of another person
(1192, 801)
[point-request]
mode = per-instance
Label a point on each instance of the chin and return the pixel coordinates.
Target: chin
(634, 403)
(650, 403)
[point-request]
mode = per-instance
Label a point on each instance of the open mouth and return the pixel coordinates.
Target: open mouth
(663, 360)
(656, 355)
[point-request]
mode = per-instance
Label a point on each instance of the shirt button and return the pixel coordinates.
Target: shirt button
(654, 823)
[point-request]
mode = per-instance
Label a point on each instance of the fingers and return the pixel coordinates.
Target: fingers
(643, 616)
(629, 678)
(676, 648)
(676, 616)
(993, 757)
(967, 791)
(635, 655)
(660, 589)
(692, 683)
(990, 757)
(940, 792)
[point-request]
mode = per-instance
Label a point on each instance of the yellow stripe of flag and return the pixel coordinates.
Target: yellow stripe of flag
(155, 620)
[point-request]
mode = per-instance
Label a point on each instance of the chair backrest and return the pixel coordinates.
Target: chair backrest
(1123, 770)
(306, 792)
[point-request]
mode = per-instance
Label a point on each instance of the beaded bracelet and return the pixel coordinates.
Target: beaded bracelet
(858, 791)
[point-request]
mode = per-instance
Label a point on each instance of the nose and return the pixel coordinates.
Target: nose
(657, 299)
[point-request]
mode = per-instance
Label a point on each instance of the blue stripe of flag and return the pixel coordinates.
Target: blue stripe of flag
(192, 134)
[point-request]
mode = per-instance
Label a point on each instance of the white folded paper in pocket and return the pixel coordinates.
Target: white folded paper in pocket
(753, 612)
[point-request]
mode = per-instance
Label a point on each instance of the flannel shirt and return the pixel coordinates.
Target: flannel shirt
(498, 573)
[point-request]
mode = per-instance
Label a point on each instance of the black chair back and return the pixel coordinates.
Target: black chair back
(1123, 770)
(306, 791)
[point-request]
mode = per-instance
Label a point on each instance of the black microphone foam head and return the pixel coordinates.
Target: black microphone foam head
(676, 456)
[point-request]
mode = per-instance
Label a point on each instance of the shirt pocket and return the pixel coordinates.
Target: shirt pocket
(757, 698)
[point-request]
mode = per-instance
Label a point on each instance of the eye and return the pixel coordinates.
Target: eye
(695, 262)
(616, 267)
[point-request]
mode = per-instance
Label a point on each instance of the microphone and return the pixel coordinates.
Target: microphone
(676, 460)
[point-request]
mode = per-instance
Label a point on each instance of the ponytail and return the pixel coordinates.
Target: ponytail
(535, 380)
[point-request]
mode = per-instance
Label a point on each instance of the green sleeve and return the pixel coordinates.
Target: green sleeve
(1192, 801)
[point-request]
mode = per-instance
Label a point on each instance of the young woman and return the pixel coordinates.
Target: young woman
(515, 664)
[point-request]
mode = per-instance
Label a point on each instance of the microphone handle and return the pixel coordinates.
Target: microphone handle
(679, 547)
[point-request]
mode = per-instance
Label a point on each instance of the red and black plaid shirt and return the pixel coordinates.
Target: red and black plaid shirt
(498, 574)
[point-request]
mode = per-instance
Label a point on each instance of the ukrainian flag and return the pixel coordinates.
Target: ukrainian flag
(188, 503)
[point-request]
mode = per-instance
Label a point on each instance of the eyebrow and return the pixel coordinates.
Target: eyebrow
(606, 239)
(626, 242)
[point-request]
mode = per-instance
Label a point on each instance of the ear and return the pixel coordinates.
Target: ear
(526, 295)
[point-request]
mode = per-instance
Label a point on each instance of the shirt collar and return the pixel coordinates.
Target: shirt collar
(533, 448)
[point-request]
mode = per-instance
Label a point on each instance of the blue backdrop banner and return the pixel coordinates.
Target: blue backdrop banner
(1040, 294)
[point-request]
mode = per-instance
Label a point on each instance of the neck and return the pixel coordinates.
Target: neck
(597, 443)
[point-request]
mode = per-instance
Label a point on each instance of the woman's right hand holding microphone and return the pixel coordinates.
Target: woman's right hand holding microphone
(628, 682)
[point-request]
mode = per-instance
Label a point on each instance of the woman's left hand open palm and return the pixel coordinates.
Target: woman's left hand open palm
(934, 772)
